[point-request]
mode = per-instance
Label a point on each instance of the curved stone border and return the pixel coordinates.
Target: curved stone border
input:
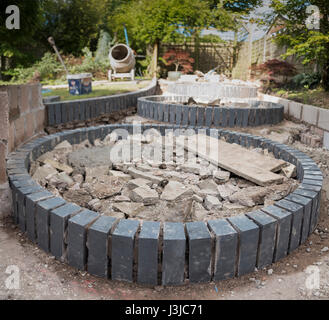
(132, 251)
(158, 108)
(88, 109)
(211, 89)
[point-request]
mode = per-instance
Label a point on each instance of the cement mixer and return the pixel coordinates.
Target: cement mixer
(122, 60)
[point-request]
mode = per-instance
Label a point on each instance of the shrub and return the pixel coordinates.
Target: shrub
(305, 80)
(179, 59)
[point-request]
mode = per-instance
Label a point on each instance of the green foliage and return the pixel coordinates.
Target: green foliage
(305, 80)
(311, 46)
(48, 68)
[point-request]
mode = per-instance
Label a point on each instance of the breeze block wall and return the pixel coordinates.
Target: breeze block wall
(170, 253)
(22, 117)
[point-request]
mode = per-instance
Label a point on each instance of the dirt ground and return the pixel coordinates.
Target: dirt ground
(42, 277)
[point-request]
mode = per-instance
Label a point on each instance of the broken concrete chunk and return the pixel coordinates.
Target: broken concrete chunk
(175, 190)
(105, 187)
(121, 199)
(65, 145)
(119, 174)
(191, 168)
(44, 172)
(60, 166)
(145, 195)
(226, 190)
(290, 171)
(144, 175)
(208, 185)
(249, 197)
(212, 203)
(128, 208)
(221, 176)
(95, 172)
(139, 182)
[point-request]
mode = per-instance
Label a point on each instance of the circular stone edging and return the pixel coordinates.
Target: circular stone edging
(160, 109)
(130, 251)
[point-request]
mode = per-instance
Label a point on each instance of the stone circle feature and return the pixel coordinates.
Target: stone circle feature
(88, 241)
(173, 110)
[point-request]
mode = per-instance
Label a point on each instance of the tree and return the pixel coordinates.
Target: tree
(18, 46)
(310, 45)
(74, 24)
(179, 59)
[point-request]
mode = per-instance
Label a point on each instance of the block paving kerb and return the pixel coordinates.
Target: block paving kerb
(152, 253)
(171, 109)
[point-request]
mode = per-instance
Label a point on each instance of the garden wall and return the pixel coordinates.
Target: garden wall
(59, 113)
(317, 117)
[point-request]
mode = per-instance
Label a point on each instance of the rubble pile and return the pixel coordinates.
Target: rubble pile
(142, 188)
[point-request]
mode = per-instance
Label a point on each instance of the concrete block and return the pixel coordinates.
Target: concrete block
(30, 212)
(148, 253)
(326, 140)
(185, 119)
(42, 219)
(77, 238)
(58, 227)
(232, 117)
(306, 202)
(178, 115)
(21, 204)
(224, 117)
(295, 110)
(323, 119)
(310, 114)
(192, 117)
(209, 116)
(284, 219)
(166, 113)
(297, 221)
(248, 243)
(267, 226)
(217, 115)
(98, 246)
(226, 245)
(245, 116)
(123, 239)
(200, 246)
(201, 116)
(174, 245)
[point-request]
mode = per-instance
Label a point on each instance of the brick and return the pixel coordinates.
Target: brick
(217, 116)
(200, 246)
(35, 96)
(98, 246)
(267, 226)
(307, 208)
(209, 116)
(313, 182)
(42, 219)
(185, 119)
(123, 242)
(148, 246)
(21, 203)
(192, 118)
(174, 245)
(248, 243)
(58, 227)
(77, 238)
(284, 218)
(172, 114)
(31, 201)
(226, 244)
(297, 220)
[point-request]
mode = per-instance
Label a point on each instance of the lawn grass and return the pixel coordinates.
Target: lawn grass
(98, 91)
(316, 97)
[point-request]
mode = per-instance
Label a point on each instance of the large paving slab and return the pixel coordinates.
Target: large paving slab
(247, 164)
